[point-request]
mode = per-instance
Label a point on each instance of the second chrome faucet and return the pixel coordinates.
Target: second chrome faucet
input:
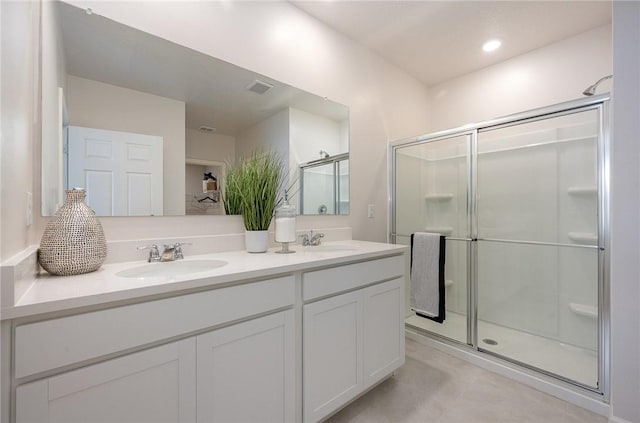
(311, 239)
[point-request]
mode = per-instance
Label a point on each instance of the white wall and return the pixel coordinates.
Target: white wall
(278, 40)
(549, 75)
(270, 134)
(310, 133)
(54, 75)
(93, 104)
(214, 147)
(20, 124)
(625, 203)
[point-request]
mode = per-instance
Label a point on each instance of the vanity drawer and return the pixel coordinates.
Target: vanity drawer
(60, 342)
(321, 283)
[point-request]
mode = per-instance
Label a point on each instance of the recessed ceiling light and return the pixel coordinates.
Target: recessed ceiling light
(491, 45)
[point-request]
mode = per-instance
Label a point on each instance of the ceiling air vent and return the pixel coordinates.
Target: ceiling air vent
(259, 87)
(207, 129)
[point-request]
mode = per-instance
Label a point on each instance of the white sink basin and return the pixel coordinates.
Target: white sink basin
(170, 268)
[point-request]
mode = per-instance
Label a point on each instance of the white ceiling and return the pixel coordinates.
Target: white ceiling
(437, 40)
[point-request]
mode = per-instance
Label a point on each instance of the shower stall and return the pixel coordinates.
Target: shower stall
(523, 204)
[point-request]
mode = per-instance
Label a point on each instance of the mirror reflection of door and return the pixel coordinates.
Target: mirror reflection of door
(121, 171)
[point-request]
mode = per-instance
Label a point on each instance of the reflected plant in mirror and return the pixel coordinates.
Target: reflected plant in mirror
(137, 121)
(231, 198)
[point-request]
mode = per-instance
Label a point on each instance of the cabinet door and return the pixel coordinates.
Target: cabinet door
(246, 371)
(383, 330)
(155, 385)
(332, 332)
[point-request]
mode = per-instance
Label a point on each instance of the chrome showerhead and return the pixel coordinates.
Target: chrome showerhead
(591, 90)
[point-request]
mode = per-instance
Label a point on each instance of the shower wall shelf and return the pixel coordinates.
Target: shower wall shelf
(443, 230)
(582, 190)
(438, 197)
(583, 237)
(584, 310)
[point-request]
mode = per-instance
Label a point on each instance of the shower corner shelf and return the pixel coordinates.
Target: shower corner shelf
(439, 197)
(584, 310)
(443, 230)
(582, 190)
(583, 237)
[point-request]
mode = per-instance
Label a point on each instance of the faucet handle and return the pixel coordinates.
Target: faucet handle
(316, 239)
(178, 249)
(154, 254)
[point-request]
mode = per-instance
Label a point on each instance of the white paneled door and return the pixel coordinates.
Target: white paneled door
(246, 372)
(121, 171)
(332, 354)
(383, 329)
(154, 385)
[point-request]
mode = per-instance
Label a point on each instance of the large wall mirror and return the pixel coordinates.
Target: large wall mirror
(146, 126)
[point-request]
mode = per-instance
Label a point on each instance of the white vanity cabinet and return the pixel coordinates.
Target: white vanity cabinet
(333, 346)
(351, 340)
(246, 372)
(154, 385)
(291, 343)
(236, 372)
(240, 373)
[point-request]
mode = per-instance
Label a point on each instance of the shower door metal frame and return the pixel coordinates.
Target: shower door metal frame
(599, 103)
(471, 136)
(335, 161)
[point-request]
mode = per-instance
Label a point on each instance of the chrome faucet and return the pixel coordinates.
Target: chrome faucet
(170, 252)
(154, 254)
(173, 251)
(311, 239)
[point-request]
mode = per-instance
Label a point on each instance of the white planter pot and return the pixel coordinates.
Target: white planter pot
(256, 241)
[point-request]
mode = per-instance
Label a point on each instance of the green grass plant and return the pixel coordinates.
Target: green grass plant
(254, 189)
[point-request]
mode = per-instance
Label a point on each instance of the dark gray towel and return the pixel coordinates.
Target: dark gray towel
(427, 275)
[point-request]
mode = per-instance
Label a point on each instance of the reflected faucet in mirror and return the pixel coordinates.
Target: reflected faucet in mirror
(197, 114)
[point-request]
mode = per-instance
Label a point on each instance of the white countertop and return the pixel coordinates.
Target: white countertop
(57, 293)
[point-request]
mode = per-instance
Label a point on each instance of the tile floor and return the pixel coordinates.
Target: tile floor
(433, 387)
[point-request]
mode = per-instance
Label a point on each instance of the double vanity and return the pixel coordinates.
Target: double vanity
(217, 337)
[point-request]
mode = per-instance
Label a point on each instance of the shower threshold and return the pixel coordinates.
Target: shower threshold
(567, 361)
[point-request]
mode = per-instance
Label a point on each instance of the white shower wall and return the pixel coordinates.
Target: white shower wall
(530, 188)
(540, 185)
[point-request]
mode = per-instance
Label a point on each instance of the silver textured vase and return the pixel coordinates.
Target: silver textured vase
(73, 241)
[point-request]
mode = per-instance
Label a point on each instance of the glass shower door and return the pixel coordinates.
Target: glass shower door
(537, 250)
(431, 195)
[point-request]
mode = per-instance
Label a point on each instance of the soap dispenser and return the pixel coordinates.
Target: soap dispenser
(285, 225)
